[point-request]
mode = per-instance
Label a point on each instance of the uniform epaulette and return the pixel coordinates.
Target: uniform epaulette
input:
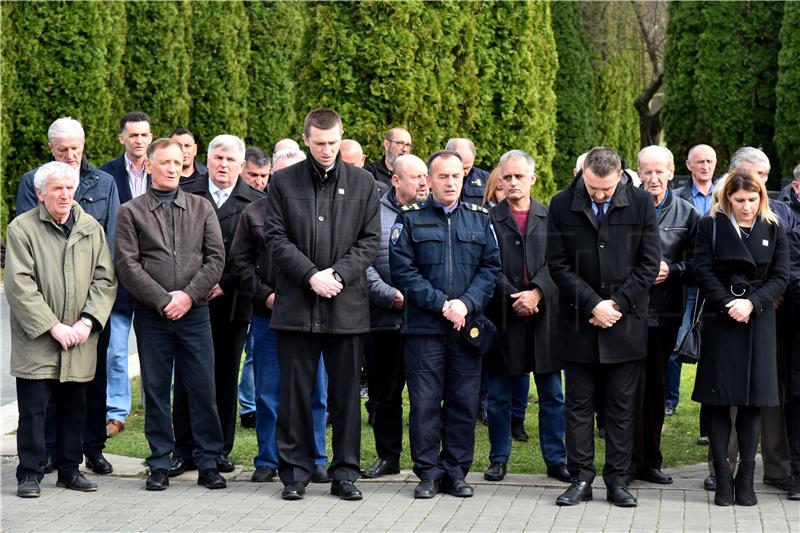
(410, 207)
(474, 207)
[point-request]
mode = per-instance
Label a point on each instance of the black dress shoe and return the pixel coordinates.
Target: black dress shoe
(427, 488)
(619, 496)
(559, 472)
(382, 467)
(248, 420)
(579, 491)
(210, 479)
(669, 410)
(702, 441)
(710, 483)
(518, 430)
(98, 464)
(459, 488)
(653, 475)
(75, 481)
(157, 480)
(345, 490)
(180, 465)
(779, 483)
(224, 464)
(495, 472)
(794, 490)
(263, 474)
(293, 491)
(319, 474)
(47, 465)
(28, 487)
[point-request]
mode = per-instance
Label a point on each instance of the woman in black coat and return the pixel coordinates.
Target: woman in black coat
(741, 268)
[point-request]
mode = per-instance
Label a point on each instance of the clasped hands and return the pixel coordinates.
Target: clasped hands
(526, 303)
(740, 309)
(69, 336)
(456, 312)
(324, 284)
(605, 314)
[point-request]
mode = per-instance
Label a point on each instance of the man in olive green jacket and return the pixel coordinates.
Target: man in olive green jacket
(60, 286)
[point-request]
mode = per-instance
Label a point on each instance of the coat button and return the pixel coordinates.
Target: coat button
(321, 218)
(517, 243)
(602, 284)
(316, 323)
(602, 244)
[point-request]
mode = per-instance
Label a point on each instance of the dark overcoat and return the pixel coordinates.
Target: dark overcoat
(590, 262)
(738, 363)
(235, 304)
(316, 220)
(516, 253)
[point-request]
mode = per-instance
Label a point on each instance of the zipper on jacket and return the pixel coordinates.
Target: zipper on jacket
(449, 257)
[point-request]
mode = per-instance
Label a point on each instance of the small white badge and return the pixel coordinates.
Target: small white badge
(341, 191)
(765, 242)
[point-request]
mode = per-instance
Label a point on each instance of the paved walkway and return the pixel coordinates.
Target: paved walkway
(521, 503)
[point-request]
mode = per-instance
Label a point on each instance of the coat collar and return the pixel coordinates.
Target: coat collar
(153, 202)
(536, 214)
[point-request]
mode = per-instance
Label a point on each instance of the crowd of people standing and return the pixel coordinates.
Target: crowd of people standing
(436, 276)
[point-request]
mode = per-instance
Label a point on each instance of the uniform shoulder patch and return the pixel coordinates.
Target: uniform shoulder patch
(410, 207)
(474, 207)
(397, 229)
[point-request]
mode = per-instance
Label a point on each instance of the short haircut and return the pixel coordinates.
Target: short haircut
(656, 150)
(739, 180)
(257, 156)
(52, 169)
(134, 116)
(158, 144)
(227, 142)
(796, 173)
(390, 133)
(323, 119)
(64, 127)
(696, 146)
(602, 161)
(518, 154)
(182, 131)
(288, 153)
(438, 154)
(403, 161)
(453, 143)
(750, 155)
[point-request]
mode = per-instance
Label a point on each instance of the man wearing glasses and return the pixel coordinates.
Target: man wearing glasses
(397, 142)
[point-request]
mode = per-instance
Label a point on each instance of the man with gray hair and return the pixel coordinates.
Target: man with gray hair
(396, 142)
(229, 307)
(793, 196)
(97, 195)
(283, 144)
(286, 157)
(475, 178)
(753, 160)
(60, 285)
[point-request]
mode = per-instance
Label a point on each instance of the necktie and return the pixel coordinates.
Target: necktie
(601, 214)
(221, 197)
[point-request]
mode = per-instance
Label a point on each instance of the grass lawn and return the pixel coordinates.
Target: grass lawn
(678, 443)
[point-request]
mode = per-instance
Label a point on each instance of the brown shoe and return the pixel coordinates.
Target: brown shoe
(114, 427)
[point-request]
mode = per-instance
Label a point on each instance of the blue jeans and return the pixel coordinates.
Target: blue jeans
(247, 387)
(267, 380)
(551, 417)
(118, 393)
(672, 376)
(519, 396)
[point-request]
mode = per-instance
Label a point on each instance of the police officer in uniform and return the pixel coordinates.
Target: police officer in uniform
(444, 259)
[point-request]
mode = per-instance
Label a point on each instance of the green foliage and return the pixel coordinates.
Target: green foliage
(157, 64)
(574, 87)
(276, 49)
(219, 83)
(787, 112)
(8, 94)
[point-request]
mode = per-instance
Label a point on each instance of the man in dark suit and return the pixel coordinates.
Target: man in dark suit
(525, 310)
(128, 171)
(603, 252)
(323, 227)
(229, 308)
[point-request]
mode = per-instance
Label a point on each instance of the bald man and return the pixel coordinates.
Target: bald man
(284, 144)
(475, 178)
(352, 153)
(396, 142)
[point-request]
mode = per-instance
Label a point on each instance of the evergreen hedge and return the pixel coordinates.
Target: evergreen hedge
(787, 112)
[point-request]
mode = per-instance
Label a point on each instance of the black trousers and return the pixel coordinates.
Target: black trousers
(94, 426)
(66, 403)
(386, 374)
(792, 405)
(619, 381)
(298, 355)
(650, 398)
(229, 340)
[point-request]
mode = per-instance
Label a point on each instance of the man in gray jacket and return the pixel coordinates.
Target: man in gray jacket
(169, 254)
(385, 346)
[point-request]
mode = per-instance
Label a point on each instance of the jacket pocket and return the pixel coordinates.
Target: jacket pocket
(471, 245)
(428, 245)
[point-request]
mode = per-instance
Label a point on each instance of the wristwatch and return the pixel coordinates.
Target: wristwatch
(337, 277)
(87, 322)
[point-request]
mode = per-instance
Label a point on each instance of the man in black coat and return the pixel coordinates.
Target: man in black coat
(475, 178)
(323, 228)
(191, 168)
(603, 253)
(229, 307)
(525, 310)
(128, 171)
(676, 219)
(396, 142)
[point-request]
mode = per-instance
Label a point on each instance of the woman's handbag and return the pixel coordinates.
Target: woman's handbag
(689, 350)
